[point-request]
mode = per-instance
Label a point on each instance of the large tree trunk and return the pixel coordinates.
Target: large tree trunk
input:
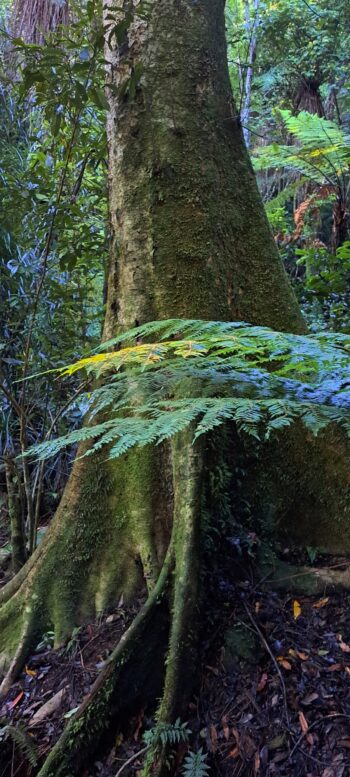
(189, 239)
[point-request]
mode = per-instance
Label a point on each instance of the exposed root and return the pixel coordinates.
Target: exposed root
(126, 675)
(18, 660)
(118, 685)
(283, 576)
(188, 468)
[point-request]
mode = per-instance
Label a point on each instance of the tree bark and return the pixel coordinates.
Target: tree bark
(189, 239)
(251, 15)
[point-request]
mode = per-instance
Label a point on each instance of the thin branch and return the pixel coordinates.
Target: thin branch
(131, 759)
(269, 651)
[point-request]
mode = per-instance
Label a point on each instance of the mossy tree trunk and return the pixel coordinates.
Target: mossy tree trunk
(189, 239)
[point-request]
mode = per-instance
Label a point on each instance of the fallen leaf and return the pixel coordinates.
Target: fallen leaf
(49, 707)
(343, 645)
(257, 607)
(303, 723)
(262, 682)
(302, 656)
(286, 664)
(16, 700)
(321, 603)
(296, 609)
(235, 733)
(213, 736)
(30, 672)
(234, 753)
(344, 743)
(225, 728)
(310, 698)
(334, 668)
(276, 742)
(256, 762)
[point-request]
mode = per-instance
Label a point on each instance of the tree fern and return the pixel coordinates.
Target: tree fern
(321, 151)
(203, 373)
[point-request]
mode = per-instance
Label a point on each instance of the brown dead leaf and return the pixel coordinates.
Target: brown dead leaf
(321, 603)
(262, 682)
(234, 753)
(256, 762)
(283, 662)
(343, 645)
(225, 728)
(303, 723)
(344, 743)
(213, 736)
(49, 707)
(302, 656)
(257, 607)
(235, 733)
(334, 668)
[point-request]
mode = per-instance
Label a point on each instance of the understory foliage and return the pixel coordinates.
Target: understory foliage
(53, 235)
(296, 106)
(203, 373)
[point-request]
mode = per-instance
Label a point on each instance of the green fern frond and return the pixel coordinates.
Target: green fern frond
(321, 151)
(195, 764)
(24, 742)
(164, 734)
(213, 372)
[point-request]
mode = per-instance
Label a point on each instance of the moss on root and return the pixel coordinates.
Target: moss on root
(124, 679)
(103, 544)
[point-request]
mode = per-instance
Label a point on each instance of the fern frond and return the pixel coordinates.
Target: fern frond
(321, 151)
(214, 372)
(195, 764)
(24, 742)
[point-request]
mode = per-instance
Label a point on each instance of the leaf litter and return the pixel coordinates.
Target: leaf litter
(284, 710)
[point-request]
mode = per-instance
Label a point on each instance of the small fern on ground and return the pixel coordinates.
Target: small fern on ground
(161, 741)
(167, 734)
(23, 741)
(195, 764)
(203, 373)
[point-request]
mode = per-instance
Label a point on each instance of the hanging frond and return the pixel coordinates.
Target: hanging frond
(209, 372)
(321, 151)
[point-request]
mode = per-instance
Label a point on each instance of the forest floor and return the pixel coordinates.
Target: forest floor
(274, 695)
